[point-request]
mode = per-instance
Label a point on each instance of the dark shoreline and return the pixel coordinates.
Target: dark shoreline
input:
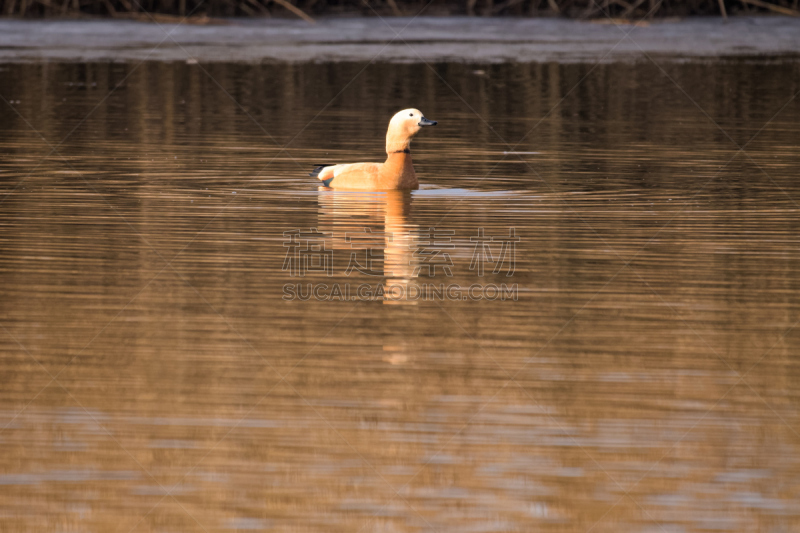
(312, 9)
(423, 39)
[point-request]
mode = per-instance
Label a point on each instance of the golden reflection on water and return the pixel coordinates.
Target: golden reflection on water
(653, 345)
(374, 222)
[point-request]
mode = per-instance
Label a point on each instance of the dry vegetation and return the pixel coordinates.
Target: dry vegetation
(204, 11)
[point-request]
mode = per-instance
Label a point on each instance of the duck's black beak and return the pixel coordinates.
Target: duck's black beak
(426, 122)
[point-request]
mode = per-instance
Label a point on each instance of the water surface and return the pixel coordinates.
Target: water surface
(157, 377)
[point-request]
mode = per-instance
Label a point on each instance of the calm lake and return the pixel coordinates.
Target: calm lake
(586, 319)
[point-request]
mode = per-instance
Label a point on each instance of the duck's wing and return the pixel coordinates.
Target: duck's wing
(323, 173)
(317, 170)
(350, 176)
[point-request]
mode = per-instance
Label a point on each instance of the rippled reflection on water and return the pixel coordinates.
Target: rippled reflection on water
(652, 346)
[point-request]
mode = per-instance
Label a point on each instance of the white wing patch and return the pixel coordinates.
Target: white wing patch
(338, 169)
(326, 173)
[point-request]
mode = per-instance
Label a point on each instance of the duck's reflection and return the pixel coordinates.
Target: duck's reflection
(366, 224)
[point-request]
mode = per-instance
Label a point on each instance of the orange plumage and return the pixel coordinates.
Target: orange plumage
(397, 172)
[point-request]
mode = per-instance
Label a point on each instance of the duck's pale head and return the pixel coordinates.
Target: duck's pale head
(403, 126)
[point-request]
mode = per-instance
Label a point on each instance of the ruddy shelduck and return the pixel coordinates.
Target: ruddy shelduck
(397, 172)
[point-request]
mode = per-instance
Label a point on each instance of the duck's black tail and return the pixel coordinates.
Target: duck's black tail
(314, 173)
